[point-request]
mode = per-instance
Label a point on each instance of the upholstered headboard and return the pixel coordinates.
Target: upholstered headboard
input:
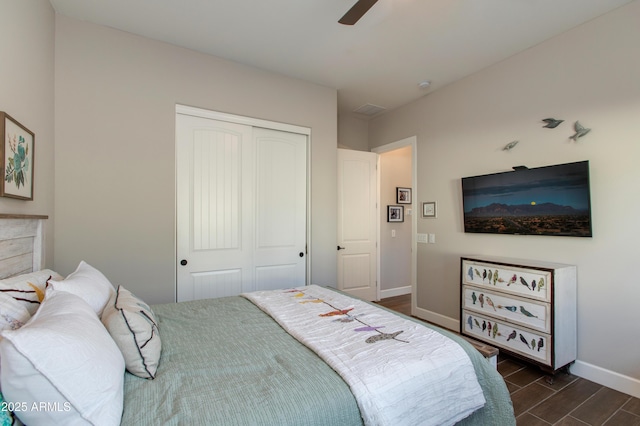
(21, 244)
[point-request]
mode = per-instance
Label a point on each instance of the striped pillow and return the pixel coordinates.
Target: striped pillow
(133, 326)
(27, 289)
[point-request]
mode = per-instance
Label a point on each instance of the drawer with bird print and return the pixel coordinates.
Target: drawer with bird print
(519, 340)
(526, 282)
(518, 310)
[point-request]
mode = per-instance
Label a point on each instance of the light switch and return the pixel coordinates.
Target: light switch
(422, 238)
(393, 233)
(432, 238)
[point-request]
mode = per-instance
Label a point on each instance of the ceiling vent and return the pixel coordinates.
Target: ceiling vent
(369, 109)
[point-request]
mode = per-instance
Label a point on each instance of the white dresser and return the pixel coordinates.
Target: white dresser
(526, 308)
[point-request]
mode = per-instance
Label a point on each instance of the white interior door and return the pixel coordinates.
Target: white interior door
(241, 208)
(280, 206)
(357, 223)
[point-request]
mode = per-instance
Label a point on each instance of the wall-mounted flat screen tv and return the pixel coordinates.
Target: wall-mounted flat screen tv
(551, 200)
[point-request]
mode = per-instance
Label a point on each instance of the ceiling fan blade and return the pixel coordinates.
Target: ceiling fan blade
(357, 11)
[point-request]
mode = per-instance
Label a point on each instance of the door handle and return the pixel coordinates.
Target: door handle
(183, 262)
(341, 248)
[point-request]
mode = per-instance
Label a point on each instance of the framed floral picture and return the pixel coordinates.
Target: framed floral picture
(17, 159)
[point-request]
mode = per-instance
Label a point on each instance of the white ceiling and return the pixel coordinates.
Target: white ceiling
(379, 61)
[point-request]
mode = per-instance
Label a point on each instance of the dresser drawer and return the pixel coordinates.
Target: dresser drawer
(517, 339)
(531, 283)
(518, 310)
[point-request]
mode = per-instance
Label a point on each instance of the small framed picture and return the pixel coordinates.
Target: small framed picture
(403, 195)
(16, 153)
(395, 213)
(429, 209)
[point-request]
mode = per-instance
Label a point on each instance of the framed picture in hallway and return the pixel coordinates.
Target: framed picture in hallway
(403, 195)
(395, 213)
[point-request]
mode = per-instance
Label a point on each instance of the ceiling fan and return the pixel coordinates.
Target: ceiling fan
(357, 11)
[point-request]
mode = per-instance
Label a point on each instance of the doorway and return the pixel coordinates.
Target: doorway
(397, 239)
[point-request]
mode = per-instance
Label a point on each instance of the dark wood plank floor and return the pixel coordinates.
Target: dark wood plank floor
(569, 401)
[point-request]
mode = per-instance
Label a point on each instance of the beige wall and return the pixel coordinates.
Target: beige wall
(115, 148)
(395, 251)
(26, 94)
(353, 133)
(588, 74)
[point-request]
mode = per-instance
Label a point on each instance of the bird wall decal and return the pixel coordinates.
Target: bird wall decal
(552, 123)
(580, 131)
(510, 145)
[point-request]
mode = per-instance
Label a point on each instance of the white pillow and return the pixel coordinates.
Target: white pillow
(88, 283)
(133, 326)
(65, 358)
(13, 314)
(28, 289)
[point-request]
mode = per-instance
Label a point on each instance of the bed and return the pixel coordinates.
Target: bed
(227, 361)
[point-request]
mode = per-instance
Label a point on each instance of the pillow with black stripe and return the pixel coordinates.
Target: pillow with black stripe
(28, 289)
(133, 326)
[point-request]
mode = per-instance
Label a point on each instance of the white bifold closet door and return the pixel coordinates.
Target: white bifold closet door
(241, 208)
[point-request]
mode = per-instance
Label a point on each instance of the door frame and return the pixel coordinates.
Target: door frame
(254, 122)
(411, 141)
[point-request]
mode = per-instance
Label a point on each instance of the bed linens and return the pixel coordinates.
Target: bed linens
(225, 362)
(400, 372)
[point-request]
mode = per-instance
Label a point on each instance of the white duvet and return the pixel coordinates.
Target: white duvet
(400, 372)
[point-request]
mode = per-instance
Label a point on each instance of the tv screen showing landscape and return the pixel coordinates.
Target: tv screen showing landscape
(552, 200)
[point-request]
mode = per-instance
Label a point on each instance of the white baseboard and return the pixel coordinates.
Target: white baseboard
(608, 378)
(438, 319)
(398, 291)
(602, 376)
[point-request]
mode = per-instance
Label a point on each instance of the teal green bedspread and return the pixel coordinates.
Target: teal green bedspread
(225, 362)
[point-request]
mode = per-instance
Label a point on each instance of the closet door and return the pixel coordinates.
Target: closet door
(241, 208)
(280, 209)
